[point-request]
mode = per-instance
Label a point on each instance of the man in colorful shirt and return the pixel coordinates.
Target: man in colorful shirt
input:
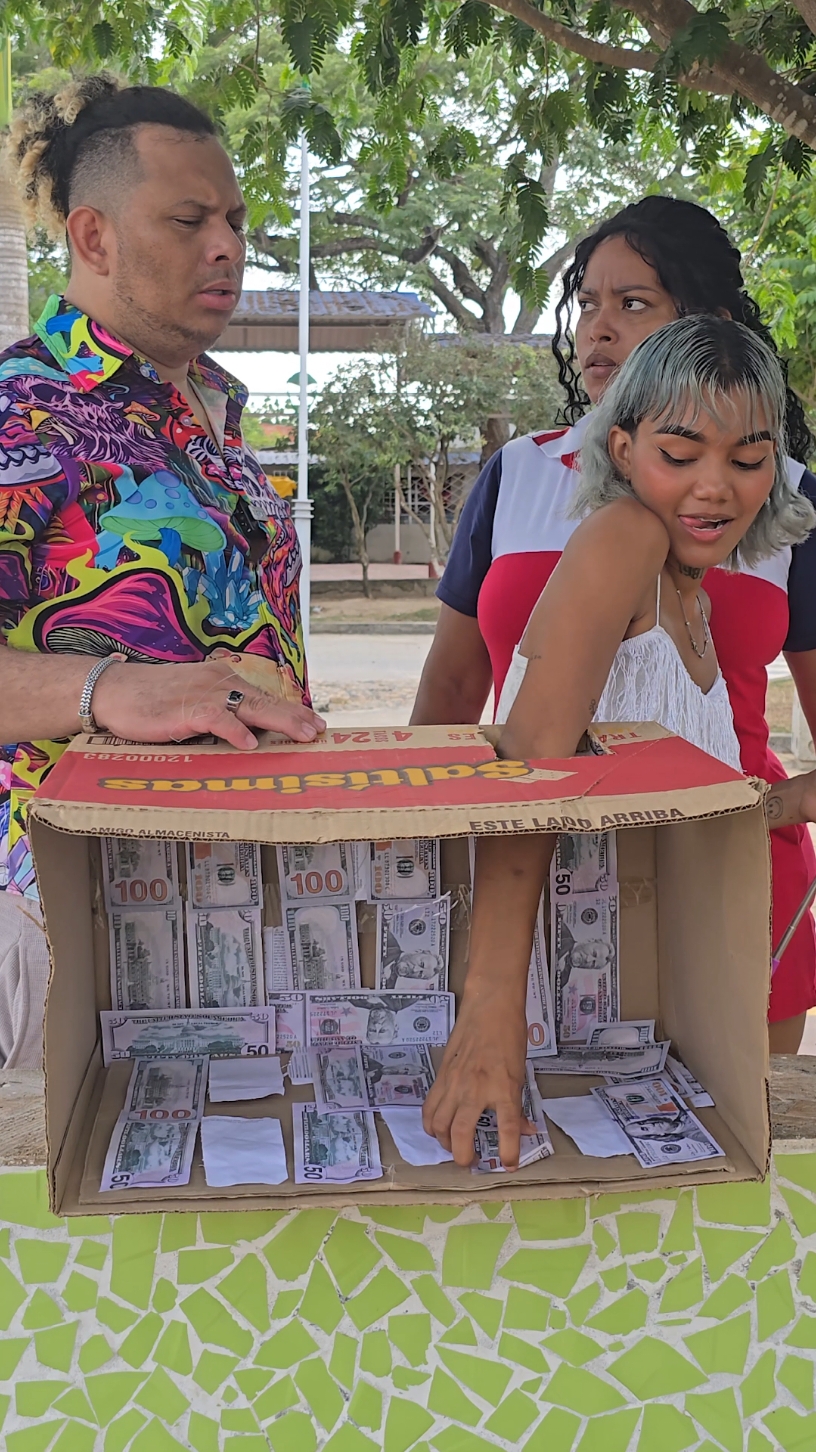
(134, 522)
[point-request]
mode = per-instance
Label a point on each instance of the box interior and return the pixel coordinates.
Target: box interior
(694, 953)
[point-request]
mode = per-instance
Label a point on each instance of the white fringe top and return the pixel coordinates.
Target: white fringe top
(649, 682)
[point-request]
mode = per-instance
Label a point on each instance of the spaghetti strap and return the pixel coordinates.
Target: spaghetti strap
(657, 616)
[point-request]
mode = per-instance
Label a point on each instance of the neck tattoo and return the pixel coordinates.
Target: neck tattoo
(692, 572)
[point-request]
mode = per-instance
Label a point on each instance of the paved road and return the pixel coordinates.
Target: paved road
(366, 680)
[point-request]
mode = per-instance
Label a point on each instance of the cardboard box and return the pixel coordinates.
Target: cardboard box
(694, 873)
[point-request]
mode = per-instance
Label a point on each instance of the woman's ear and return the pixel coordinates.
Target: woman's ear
(619, 443)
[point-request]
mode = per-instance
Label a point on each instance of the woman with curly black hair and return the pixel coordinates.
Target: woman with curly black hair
(653, 262)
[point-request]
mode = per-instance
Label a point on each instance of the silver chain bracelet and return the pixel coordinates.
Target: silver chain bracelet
(86, 720)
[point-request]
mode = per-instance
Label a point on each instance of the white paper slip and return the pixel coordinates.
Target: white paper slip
(187, 1033)
(242, 1151)
(146, 958)
(277, 971)
(225, 957)
(406, 869)
(224, 874)
(245, 1079)
(290, 1020)
(334, 1148)
(585, 964)
(661, 1129)
(412, 1143)
(583, 862)
(540, 1015)
(321, 943)
(308, 871)
(139, 872)
(378, 1019)
(299, 1069)
(588, 1124)
(413, 945)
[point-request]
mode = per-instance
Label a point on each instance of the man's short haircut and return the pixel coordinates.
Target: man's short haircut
(69, 146)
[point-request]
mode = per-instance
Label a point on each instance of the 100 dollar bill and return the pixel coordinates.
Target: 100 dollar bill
(225, 957)
(146, 958)
(139, 872)
(659, 1127)
(224, 874)
(188, 1033)
(321, 942)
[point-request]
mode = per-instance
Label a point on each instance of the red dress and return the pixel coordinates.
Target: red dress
(509, 540)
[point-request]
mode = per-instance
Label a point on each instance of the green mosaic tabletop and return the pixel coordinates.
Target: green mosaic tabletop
(637, 1323)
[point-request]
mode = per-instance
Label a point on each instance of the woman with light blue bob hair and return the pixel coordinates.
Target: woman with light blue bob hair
(682, 469)
(699, 364)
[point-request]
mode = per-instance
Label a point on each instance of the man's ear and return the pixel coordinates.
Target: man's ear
(620, 443)
(91, 238)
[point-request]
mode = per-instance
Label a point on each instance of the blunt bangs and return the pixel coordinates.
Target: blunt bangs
(699, 365)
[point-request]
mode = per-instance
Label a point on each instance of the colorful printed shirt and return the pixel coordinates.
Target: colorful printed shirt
(124, 527)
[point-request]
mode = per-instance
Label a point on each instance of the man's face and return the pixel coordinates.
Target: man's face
(421, 964)
(180, 247)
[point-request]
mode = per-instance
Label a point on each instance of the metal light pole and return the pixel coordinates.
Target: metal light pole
(302, 506)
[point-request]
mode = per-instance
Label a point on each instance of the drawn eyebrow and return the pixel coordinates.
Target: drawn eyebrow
(762, 436)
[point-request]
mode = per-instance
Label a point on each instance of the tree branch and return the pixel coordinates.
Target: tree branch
(741, 69)
(450, 302)
(624, 58)
(463, 278)
(807, 10)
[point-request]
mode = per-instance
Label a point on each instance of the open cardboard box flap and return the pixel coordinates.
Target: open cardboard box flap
(420, 781)
(694, 921)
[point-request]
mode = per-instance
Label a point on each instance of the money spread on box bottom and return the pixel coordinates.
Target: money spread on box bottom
(154, 1137)
(655, 1120)
(334, 1148)
(353, 1077)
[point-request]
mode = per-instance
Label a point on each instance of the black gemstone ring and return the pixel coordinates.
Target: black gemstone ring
(234, 700)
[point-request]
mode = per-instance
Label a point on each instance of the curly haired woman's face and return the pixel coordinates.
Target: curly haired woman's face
(163, 266)
(620, 302)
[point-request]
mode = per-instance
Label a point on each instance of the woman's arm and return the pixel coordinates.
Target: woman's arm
(597, 589)
(457, 676)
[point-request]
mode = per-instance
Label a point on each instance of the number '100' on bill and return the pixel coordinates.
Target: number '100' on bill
(139, 872)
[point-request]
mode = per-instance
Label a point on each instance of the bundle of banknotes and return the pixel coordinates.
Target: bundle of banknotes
(215, 908)
(584, 902)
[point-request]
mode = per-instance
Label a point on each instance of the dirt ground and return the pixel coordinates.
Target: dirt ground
(356, 610)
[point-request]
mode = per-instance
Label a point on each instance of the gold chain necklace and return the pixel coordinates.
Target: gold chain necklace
(706, 632)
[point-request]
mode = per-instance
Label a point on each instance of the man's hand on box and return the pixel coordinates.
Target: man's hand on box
(173, 702)
(483, 1068)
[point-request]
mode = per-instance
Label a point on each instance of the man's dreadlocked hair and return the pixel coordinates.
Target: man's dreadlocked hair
(699, 267)
(62, 144)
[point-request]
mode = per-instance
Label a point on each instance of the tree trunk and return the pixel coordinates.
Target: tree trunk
(496, 435)
(14, 322)
(358, 526)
